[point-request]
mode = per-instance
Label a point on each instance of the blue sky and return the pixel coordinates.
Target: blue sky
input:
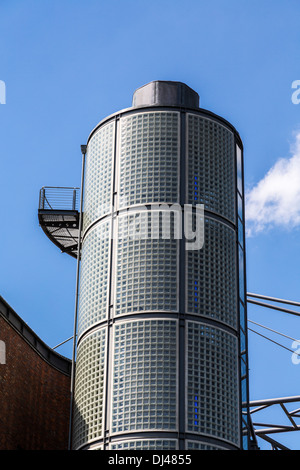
(67, 64)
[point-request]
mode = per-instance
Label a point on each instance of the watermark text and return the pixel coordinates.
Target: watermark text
(2, 92)
(296, 354)
(296, 93)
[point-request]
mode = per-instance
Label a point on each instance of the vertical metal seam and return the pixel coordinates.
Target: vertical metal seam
(181, 318)
(245, 291)
(108, 366)
(237, 297)
(83, 150)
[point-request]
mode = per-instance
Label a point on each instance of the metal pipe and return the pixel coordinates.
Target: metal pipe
(274, 426)
(262, 304)
(274, 401)
(273, 443)
(275, 342)
(273, 430)
(83, 151)
(63, 342)
(274, 331)
(274, 299)
(74, 199)
(288, 415)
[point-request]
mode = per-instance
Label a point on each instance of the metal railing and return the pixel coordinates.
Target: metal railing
(59, 198)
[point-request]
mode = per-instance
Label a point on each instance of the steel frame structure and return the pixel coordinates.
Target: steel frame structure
(263, 430)
(59, 217)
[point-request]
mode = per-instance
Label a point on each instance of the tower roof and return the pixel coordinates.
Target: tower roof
(165, 93)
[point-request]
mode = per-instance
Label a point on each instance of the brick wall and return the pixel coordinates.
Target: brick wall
(34, 397)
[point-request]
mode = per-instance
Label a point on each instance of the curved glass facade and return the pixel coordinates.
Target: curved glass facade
(140, 287)
(212, 382)
(93, 299)
(98, 175)
(211, 275)
(210, 175)
(159, 323)
(90, 388)
(149, 158)
(144, 391)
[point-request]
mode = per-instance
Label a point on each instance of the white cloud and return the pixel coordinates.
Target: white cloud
(275, 200)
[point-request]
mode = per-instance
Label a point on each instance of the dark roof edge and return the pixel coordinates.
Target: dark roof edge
(59, 362)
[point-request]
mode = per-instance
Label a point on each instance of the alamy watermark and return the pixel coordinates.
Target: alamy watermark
(161, 221)
(296, 354)
(2, 92)
(296, 94)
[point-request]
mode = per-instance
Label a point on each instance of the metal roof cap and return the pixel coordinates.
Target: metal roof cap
(165, 93)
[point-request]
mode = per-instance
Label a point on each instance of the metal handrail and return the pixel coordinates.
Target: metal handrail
(59, 198)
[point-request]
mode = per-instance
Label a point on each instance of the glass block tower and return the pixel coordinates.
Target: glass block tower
(161, 344)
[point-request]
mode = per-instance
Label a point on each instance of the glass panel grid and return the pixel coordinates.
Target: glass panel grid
(241, 274)
(94, 277)
(146, 444)
(211, 275)
(98, 174)
(239, 169)
(240, 207)
(146, 270)
(89, 388)
(212, 382)
(210, 161)
(196, 445)
(144, 394)
(149, 158)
